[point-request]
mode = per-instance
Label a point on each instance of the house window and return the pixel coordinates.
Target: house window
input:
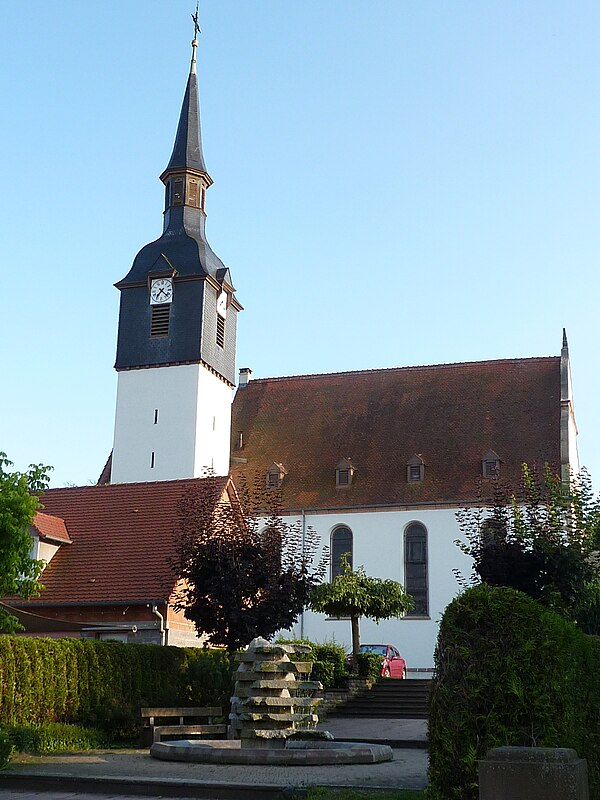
(341, 545)
(159, 323)
(415, 568)
(343, 477)
(220, 331)
(490, 469)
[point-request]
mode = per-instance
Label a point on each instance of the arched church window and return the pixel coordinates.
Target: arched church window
(416, 568)
(341, 545)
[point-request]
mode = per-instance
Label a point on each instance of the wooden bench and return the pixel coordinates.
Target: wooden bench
(183, 714)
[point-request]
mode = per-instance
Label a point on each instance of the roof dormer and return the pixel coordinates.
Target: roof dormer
(344, 473)
(415, 469)
(48, 534)
(490, 465)
(275, 475)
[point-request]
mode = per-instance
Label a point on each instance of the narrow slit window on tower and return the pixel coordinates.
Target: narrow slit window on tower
(159, 324)
(152, 460)
(156, 416)
(193, 193)
(220, 331)
(177, 196)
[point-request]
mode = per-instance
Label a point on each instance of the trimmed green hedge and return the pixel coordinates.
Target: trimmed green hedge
(509, 672)
(104, 684)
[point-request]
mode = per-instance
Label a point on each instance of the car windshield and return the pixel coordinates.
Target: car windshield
(378, 649)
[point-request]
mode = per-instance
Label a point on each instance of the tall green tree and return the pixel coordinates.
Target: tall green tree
(540, 537)
(355, 594)
(244, 571)
(19, 500)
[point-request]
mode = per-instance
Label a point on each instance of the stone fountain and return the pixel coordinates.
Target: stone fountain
(273, 718)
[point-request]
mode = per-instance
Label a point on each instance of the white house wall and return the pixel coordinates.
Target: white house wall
(378, 545)
(192, 409)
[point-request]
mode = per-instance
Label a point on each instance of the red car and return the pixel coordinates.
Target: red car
(393, 665)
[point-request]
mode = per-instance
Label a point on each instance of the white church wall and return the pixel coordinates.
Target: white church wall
(170, 423)
(378, 545)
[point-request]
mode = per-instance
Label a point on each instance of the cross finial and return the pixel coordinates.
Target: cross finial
(195, 40)
(196, 23)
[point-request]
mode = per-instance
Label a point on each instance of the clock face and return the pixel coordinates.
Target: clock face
(161, 291)
(222, 305)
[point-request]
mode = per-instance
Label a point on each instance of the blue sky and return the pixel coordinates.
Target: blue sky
(395, 183)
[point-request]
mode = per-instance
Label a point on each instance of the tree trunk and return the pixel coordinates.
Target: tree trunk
(355, 643)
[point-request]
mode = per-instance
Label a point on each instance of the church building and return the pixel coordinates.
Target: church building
(378, 462)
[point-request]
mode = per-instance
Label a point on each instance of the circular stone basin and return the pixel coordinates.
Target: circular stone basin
(296, 752)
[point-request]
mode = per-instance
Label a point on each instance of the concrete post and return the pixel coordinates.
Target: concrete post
(533, 773)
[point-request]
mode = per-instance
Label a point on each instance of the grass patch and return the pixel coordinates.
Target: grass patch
(323, 793)
(55, 737)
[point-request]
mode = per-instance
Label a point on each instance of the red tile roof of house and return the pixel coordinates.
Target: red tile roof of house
(50, 528)
(450, 414)
(122, 540)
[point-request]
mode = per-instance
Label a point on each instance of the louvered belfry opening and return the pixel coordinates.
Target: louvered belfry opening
(159, 325)
(220, 331)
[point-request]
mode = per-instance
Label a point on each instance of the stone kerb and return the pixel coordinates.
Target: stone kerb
(273, 698)
(533, 773)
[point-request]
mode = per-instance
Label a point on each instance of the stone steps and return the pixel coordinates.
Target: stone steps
(389, 699)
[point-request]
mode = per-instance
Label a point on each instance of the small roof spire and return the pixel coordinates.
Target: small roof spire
(565, 342)
(187, 150)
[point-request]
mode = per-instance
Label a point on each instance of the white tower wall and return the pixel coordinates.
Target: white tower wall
(171, 422)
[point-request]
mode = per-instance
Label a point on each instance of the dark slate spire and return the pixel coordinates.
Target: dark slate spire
(187, 150)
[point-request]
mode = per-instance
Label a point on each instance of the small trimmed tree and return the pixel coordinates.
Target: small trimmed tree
(19, 572)
(355, 594)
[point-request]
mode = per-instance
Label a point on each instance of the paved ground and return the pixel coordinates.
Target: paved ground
(122, 774)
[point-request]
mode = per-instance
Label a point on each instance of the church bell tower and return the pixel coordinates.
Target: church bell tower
(177, 331)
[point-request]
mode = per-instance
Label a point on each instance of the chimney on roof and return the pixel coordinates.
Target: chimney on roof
(244, 379)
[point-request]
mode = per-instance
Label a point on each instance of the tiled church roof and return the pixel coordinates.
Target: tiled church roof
(122, 539)
(450, 414)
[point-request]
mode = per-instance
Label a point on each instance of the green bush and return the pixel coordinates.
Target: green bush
(6, 749)
(329, 661)
(55, 737)
(323, 671)
(509, 672)
(334, 655)
(103, 685)
(369, 665)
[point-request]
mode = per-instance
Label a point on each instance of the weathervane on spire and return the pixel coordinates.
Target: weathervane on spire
(195, 40)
